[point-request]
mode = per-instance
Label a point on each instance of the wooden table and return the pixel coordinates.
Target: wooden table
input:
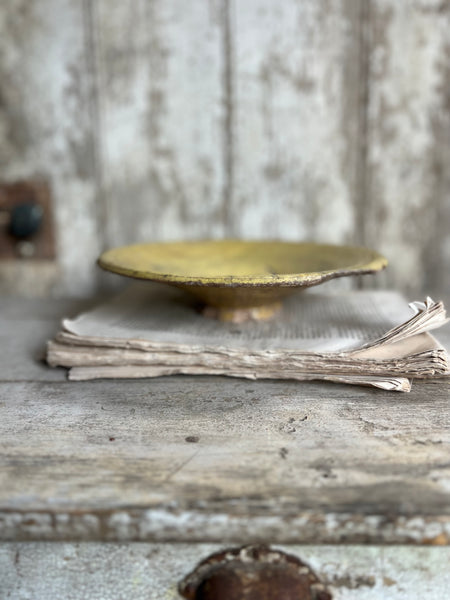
(117, 488)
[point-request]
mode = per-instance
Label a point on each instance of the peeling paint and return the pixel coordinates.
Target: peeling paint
(145, 571)
(184, 525)
(402, 185)
(152, 120)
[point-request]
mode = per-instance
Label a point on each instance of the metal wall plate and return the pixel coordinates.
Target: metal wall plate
(40, 245)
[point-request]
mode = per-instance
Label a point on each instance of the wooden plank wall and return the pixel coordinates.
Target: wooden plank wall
(296, 119)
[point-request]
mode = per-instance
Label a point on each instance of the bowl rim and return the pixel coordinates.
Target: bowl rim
(372, 262)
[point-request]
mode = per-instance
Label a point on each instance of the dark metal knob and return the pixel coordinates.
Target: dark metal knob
(25, 219)
(252, 573)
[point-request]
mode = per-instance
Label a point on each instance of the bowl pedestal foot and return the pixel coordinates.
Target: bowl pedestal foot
(241, 315)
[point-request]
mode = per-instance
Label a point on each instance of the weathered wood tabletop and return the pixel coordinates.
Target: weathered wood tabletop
(212, 459)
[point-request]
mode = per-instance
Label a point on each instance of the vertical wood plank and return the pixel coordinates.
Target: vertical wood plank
(296, 119)
(46, 125)
(408, 152)
(162, 118)
(158, 119)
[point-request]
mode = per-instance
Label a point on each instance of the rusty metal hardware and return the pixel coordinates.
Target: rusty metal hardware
(26, 224)
(255, 572)
(25, 220)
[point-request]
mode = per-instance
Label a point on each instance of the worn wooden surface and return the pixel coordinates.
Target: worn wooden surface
(210, 458)
(161, 119)
(92, 571)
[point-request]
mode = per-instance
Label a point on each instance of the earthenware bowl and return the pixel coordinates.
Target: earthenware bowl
(237, 279)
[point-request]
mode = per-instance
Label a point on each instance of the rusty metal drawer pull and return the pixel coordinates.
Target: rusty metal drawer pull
(252, 573)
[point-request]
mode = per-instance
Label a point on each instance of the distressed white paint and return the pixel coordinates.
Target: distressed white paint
(151, 571)
(408, 126)
(20, 277)
(167, 119)
(46, 126)
(293, 165)
(161, 114)
(180, 525)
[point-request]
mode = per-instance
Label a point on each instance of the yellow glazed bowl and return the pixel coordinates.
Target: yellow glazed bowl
(238, 279)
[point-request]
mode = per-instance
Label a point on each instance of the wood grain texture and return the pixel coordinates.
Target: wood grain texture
(155, 120)
(295, 119)
(408, 158)
(25, 325)
(213, 459)
(46, 125)
(161, 118)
